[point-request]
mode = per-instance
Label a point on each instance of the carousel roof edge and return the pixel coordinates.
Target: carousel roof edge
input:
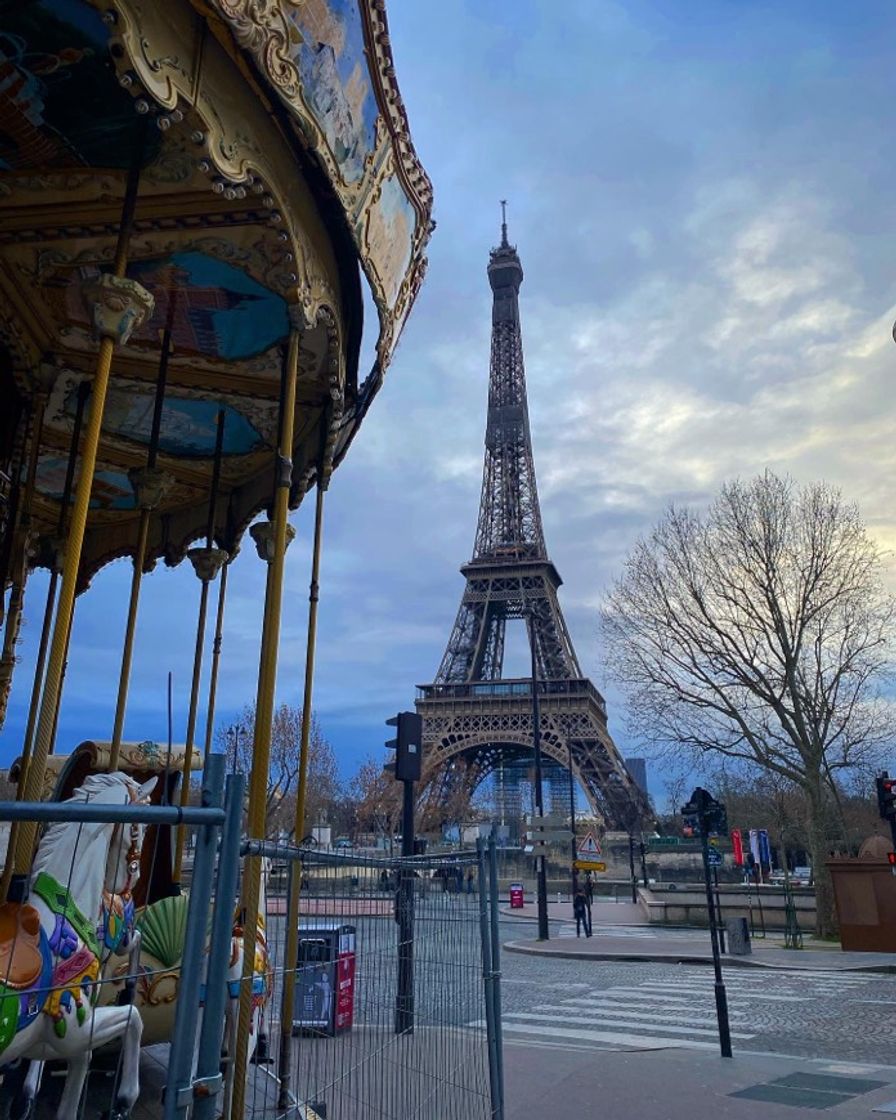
(329, 64)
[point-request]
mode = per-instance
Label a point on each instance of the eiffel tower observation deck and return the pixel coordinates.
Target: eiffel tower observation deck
(476, 721)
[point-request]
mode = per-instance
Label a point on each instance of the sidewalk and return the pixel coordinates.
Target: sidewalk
(568, 1083)
(636, 940)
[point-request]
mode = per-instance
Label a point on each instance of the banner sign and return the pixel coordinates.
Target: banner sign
(754, 844)
(737, 845)
(765, 851)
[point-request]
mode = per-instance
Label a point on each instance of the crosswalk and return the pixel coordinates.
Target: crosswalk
(676, 1008)
(641, 933)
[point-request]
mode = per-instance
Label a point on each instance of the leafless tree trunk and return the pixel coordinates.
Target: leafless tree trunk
(759, 631)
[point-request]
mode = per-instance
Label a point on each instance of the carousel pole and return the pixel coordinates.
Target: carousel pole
(206, 563)
(292, 921)
(150, 486)
(22, 536)
(216, 660)
(271, 539)
(44, 633)
(83, 394)
(118, 306)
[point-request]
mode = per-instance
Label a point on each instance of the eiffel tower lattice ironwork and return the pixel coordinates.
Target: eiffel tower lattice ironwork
(475, 720)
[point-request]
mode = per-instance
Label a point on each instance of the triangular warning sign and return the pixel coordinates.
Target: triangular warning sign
(589, 846)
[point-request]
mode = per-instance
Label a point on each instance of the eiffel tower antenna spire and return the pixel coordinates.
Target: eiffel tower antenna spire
(471, 714)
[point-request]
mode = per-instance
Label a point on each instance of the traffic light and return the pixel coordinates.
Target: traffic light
(408, 746)
(891, 857)
(886, 796)
(704, 810)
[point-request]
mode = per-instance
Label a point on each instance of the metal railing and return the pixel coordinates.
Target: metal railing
(510, 690)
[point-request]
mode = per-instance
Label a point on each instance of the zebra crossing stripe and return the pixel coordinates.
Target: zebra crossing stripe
(640, 1041)
(740, 995)
(610, 1021)
(632, 1011)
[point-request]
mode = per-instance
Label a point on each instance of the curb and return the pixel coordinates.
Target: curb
(689, 958)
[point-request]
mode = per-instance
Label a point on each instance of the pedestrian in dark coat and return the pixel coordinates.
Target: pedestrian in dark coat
(582, 913)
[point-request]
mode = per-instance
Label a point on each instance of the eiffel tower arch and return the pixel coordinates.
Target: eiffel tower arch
(475, 719)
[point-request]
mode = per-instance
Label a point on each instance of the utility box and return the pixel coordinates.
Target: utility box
(516, 896)
(738, 937)
(325, 979)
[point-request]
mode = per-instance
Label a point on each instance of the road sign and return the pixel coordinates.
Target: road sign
(715, 857)
(590, 865)
(589, 846)
(550, 836)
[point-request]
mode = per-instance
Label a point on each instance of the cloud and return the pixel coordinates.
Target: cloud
(698, 195)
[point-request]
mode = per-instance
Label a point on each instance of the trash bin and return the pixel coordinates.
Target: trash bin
(325, 979)
(738, 937)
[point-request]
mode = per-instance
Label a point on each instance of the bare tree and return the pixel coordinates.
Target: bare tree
(283, 775)
(760, 631)
(375, 797)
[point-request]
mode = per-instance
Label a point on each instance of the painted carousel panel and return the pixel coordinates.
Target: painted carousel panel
(60, 100)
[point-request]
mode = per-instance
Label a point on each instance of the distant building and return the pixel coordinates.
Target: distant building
(637, 767)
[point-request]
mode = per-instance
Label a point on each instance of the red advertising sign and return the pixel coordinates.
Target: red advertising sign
(345, 982)
(737, 843)
(516, 896)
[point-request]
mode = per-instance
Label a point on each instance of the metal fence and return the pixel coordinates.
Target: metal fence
(392, 982)
(395, 988)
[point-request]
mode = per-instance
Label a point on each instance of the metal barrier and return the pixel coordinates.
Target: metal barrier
(394, 990)
(91, 927)
(383, 1027)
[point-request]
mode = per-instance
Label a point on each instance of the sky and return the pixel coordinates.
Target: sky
(701, 197)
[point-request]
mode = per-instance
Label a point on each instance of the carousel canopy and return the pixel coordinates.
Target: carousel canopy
(274, 159)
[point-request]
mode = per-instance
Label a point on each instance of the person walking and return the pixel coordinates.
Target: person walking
(581, 913)
(470, 881)
(589, 889)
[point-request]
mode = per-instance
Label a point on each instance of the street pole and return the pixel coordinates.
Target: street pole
(404, 1002)
(643, 860)
(721, 996)
(721, 924)
(542, 880)
(631, 868)
(572, 827)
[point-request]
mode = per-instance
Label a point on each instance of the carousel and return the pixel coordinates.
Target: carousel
(192, 195)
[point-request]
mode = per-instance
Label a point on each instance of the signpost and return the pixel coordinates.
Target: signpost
(589, 846)
(710, 816)
(590, 865)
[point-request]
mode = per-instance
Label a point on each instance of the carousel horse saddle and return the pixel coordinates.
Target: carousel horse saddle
(21, 959)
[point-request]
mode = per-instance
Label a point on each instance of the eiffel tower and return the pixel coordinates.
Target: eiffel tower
(475, 720)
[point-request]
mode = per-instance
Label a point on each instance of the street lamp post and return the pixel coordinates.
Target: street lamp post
(572, 827)
(543, 933)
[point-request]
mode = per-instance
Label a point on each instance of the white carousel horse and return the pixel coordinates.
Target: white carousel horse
(51, 949)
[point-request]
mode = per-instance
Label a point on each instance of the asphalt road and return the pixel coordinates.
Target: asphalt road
(560, 1003)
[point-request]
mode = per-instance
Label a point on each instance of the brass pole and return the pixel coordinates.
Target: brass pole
(83, 394)
(292, 921)
(264, 710)
(216, 660)
(127, 653)
(74, 543)
(206, 569)
(23, 525)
